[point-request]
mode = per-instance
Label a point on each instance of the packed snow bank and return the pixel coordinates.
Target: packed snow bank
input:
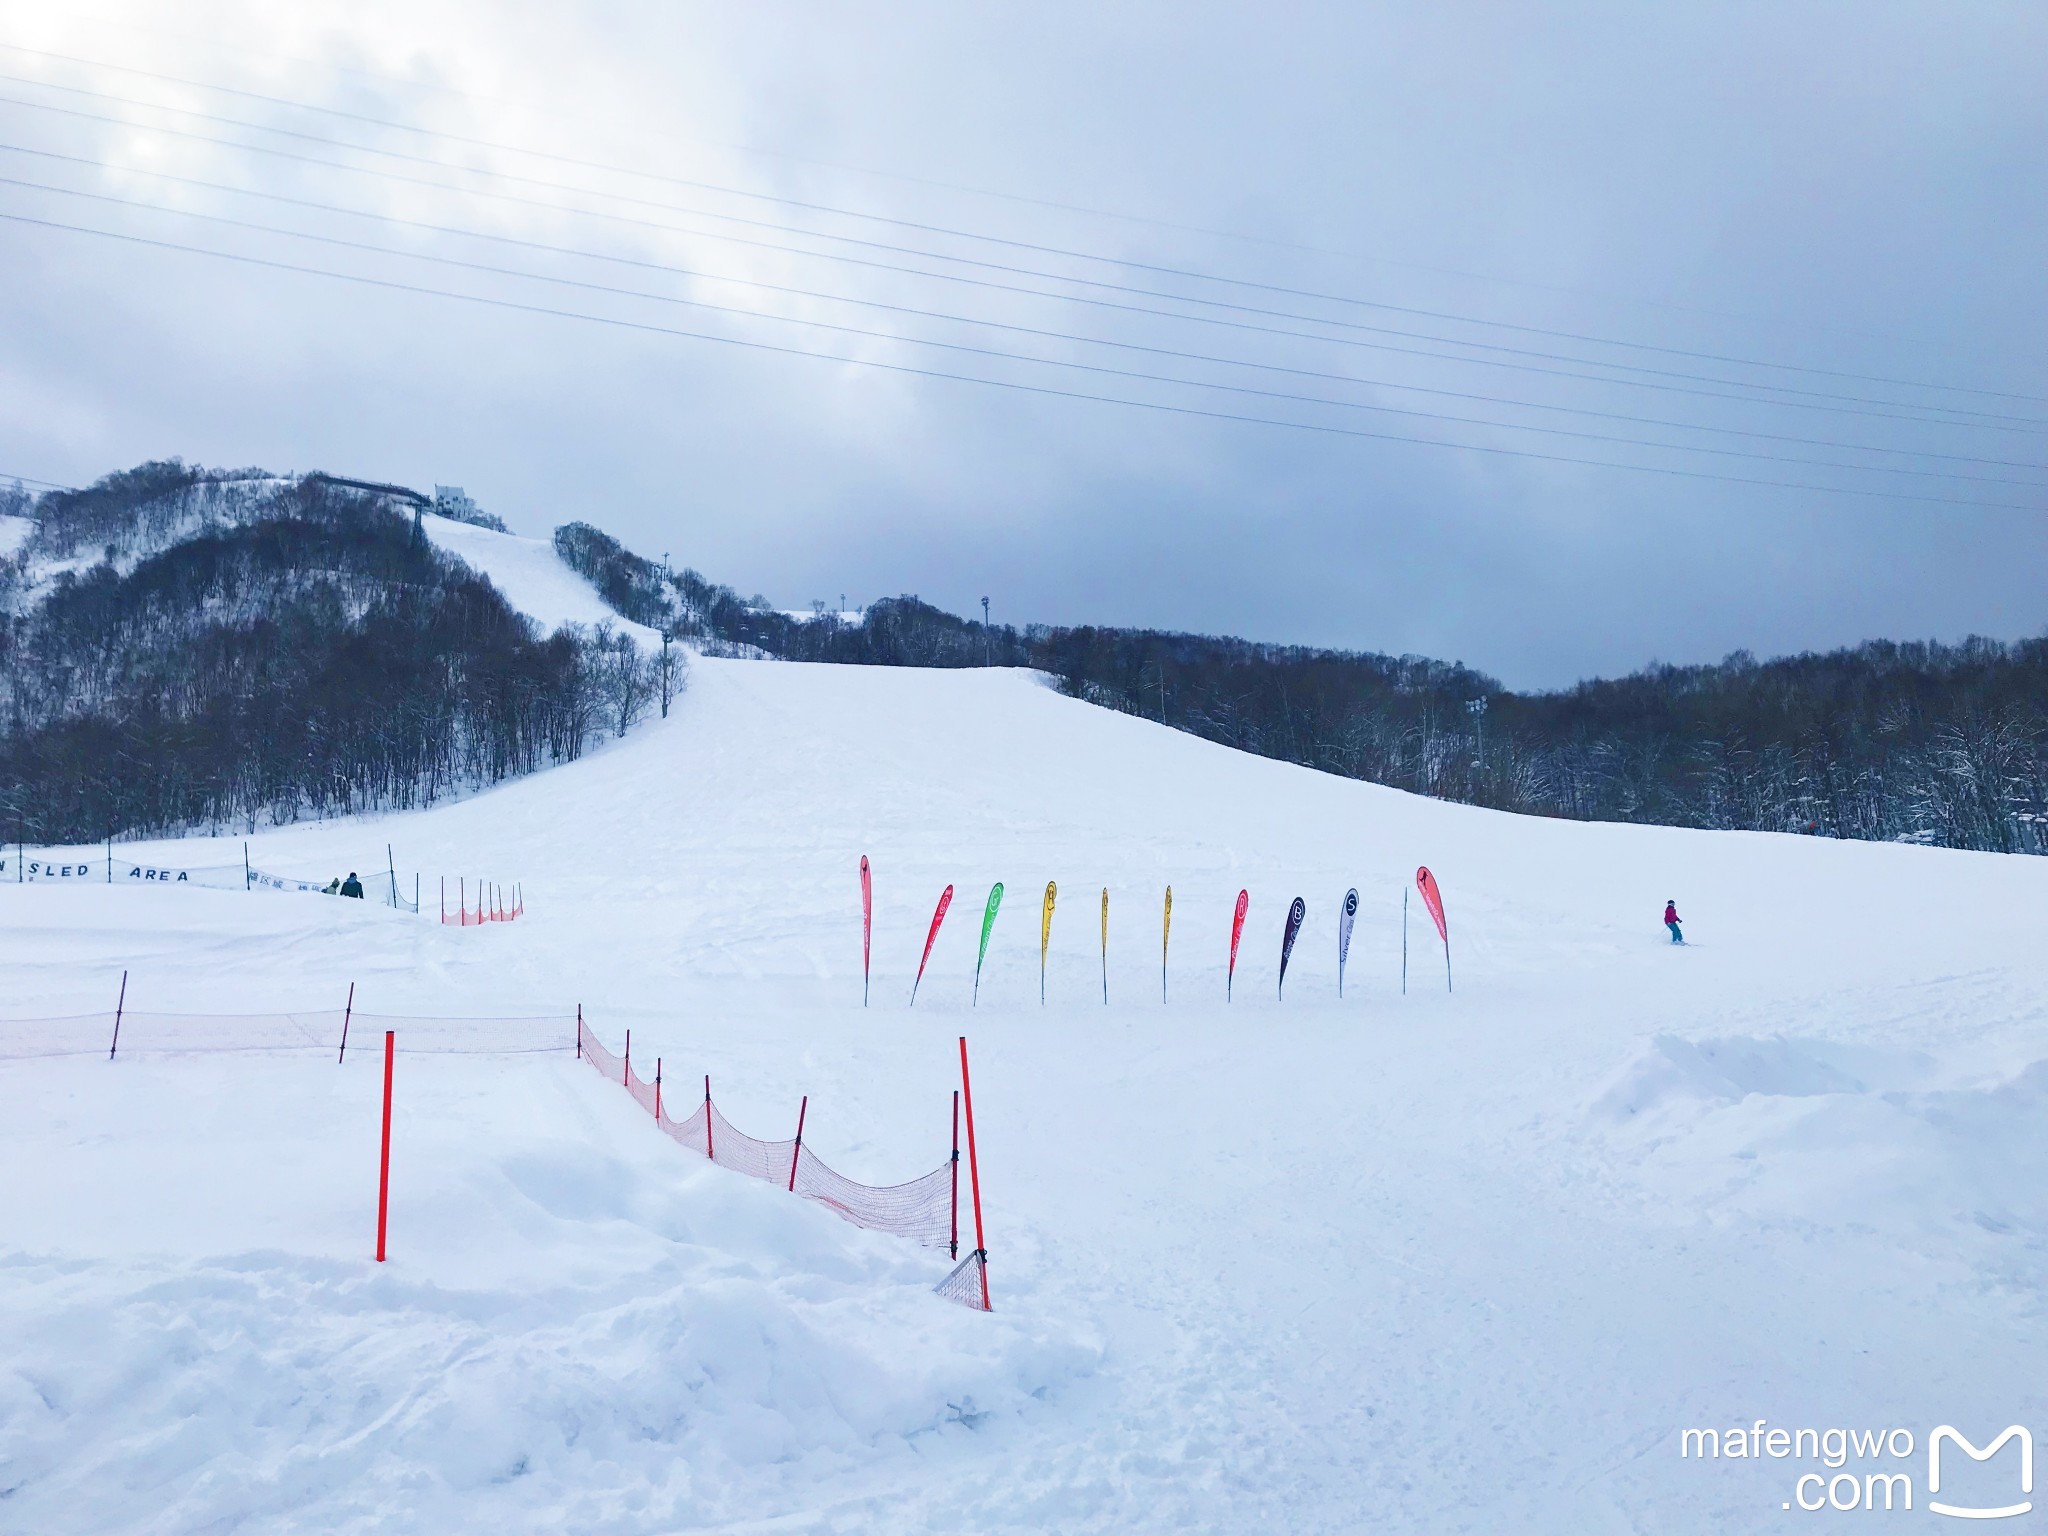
(1429, 1262)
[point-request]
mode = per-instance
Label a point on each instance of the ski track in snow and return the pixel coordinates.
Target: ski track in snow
(1437, 1263)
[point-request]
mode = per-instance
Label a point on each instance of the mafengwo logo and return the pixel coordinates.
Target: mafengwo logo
(1872, 1469)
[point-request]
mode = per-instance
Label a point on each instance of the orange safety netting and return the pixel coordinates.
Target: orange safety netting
(143, 1031)
(925, 1210)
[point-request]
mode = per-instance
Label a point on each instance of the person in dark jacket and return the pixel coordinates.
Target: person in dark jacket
(1670, 917)
(354, 887)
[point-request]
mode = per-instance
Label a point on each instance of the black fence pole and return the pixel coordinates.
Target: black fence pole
(120, 1006)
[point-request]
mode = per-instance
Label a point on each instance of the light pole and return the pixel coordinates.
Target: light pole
(987, 653)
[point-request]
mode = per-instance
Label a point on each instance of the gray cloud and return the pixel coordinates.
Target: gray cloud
(1849, 188)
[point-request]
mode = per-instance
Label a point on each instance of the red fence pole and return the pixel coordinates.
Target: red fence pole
(348, 1010)
(628, 1078)
(707, 1119)
(384, 1162)
(119, 1004)
(974, 1176)
(798, 1150)
(953, 1242)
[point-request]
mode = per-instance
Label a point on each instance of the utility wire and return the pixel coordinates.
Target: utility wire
(930, 314)
(1274, 242)
(994, 285)
(1046, 390)
(1285, 397)
(1127, 263)
(1972, 417)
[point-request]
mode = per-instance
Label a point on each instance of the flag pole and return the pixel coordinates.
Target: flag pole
(974, 1176)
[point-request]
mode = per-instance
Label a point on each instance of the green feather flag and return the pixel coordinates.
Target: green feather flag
(988, 921)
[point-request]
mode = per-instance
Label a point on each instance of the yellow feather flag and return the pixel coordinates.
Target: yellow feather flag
(1105, 946)
(1165, 936)
(1045, 937)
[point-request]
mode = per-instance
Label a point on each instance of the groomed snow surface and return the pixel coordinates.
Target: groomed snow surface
(1429, 1263)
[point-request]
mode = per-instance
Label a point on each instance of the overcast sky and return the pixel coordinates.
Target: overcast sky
(1777, 257)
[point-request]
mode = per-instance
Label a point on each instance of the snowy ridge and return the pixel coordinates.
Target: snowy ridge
(527, 572)
(1425, 1262)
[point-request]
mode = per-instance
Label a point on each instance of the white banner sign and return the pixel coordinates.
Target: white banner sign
(76, 869)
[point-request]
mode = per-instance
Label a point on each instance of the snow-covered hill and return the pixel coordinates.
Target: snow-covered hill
(1431, 1262)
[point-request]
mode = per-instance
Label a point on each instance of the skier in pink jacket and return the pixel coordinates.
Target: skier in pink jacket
(1671, 922)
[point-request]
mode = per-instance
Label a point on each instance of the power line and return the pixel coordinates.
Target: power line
(2020, 424)
(435, 88)
(48, 485)
(1978, 417)
(1019, 386)
(955, 318)
(272, 152)
(1014, 244)
(868, 334)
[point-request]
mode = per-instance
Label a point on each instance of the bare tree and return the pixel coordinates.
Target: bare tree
(626, 680)
(672, 669)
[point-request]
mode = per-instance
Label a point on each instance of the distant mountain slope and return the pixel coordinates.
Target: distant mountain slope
(187, 647)
(1941, 744)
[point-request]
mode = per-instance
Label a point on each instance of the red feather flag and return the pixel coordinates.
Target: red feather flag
(867, 925)
(1244, 900)
(938, 917)
(1433, 899)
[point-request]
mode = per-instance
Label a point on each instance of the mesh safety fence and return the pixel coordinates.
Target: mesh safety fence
(89, 867)
(922, 1210)
(640, 1088)
(968, 1283)
(141, 1031)
(925, 1209)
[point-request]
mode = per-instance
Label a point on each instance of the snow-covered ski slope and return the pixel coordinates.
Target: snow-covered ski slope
(531, 576)
(1426, 1263)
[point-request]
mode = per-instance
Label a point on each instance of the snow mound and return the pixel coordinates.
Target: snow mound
(1730, 1069)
